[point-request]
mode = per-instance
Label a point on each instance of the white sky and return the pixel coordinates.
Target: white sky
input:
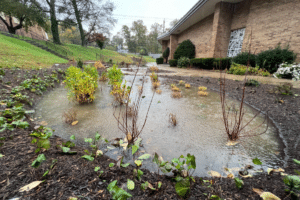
(151, 10)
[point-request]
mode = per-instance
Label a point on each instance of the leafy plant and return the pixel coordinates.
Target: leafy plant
(288, 71)
(293, 184)
(173, 62)
(243, 58)
(38, 161)
(166, 54)
(153, 77)
(130, 184)
(159, 61)
(252, 82)
(283, 89)
(66, 146)
(116, 192)
(120, 92)
(298, 163)
(82, 84)
(41, 138)
(114, 75)
(93, 144)
(183, 62)
(238, 183)
(51, 166)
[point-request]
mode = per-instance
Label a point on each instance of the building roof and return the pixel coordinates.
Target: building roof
(201, 10)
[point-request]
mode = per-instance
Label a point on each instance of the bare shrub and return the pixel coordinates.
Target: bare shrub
(130, 127)
(173, 119)
(156, 84)
(70, 116)
(233, 117)
(153, 68)
(99, 65)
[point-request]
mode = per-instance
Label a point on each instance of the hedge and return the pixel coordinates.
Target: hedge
(211, 63)
(173, 63)
(159, 61)
(244, 57)
(185, 49)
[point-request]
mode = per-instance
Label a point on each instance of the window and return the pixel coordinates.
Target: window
(236, 42)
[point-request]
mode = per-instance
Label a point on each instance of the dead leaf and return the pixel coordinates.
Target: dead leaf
(258, 191)
(269, 196)
(214, 174)
(74, 123)
(30, 186)
(231, 176)
(232, 143)
(100, 191)
(99, 153)
(270, 170)
(43, 123)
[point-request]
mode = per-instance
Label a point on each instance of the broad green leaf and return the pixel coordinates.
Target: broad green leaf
(1, 155)
(65, 149)
(111, 164)
(34, 140)
(125, 165)
(88, 157)
(130, 184)
(134, 149)
(216, 197)
(239, 183)
(97, 136)
(138, 162)
(145, 185)
(89, 140)
(155, 159)
(139, 174)
(111, 185)
(37, 162)
(106, 141)
(44, 144)
(96, 169)
(72, 137)
(296, 161)
(144, 157)
(183, 187)
(256, 161)
(46, 173)
(190, 159)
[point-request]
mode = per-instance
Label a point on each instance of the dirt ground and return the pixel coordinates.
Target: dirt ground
(73, 176)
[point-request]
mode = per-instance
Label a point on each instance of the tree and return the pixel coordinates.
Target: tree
(98, 38)
(139, 30)
(152, 43)
(50, 7)
(173, 23)
(130, 42)
(87, 12)
(117, 40)
(26, 13)
(166, 54)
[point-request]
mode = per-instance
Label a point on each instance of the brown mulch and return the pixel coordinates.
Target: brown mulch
(73, 176)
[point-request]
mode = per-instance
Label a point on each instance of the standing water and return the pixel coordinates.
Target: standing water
(200, 130)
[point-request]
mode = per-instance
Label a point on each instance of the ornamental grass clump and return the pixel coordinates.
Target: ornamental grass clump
(82, 84)
(114, 75)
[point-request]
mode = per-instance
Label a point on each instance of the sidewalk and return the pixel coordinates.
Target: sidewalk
(215, 74)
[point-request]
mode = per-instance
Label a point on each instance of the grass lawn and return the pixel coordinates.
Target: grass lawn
(17, 53)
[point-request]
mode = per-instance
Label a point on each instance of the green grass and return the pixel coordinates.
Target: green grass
(17, 53)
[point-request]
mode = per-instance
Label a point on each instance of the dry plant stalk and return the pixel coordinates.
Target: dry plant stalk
(99, 65)
(69, 116)
(232, 117)
(173, 119)
(130, 126)
(156, 85)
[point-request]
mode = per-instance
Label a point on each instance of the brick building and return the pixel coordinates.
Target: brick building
(35, 32)
(224, 28)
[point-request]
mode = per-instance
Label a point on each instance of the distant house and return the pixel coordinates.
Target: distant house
(35, 32)
(224, 28)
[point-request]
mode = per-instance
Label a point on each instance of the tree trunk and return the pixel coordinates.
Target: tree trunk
(77, 15)
(54, 23)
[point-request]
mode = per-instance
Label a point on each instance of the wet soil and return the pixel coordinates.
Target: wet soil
(73, 176)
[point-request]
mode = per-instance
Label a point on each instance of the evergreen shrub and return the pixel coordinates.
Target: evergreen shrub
(243, 58)
(173, 63)
(185, 49)
(159, 61)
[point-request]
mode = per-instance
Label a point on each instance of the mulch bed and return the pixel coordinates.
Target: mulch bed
(73, 176)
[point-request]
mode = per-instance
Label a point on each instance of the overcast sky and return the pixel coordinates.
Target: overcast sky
(151, 10)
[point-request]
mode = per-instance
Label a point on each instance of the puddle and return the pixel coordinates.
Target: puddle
(200, 130)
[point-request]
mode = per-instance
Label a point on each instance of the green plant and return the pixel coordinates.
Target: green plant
(272, 58)
(181, 167)
(116, 192)
(183, 62)
(243, 58)
(79, 62)
(38, 161)
(173, 62)
(66, 146)
(185, 49)
(41, 138)
(93, 145)
(283, 89)
(51, 166)
(121, 92)
(238, 183)
(21, 98)
(252, 82)
(203, 63)
(114, 75)
(82, 84)
(166, 54)
(13, 118)
(159, 61)
(130, 184)
(298, 163)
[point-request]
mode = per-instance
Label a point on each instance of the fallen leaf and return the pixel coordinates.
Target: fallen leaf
(270, 170)
(43, 123)
(99, 153)
(30, 186)
(232, 143)
(1, 155)
(269, 196)
(214, 174)
(74, 123)
(231, 176)
(258, 191)
(100, 191)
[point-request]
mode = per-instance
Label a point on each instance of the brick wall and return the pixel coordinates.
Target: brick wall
(200, 35)
(272, 22)
(268, 22)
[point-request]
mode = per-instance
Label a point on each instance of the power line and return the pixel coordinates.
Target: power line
(142, 17)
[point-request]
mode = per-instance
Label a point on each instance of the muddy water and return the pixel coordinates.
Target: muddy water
(200, 130)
